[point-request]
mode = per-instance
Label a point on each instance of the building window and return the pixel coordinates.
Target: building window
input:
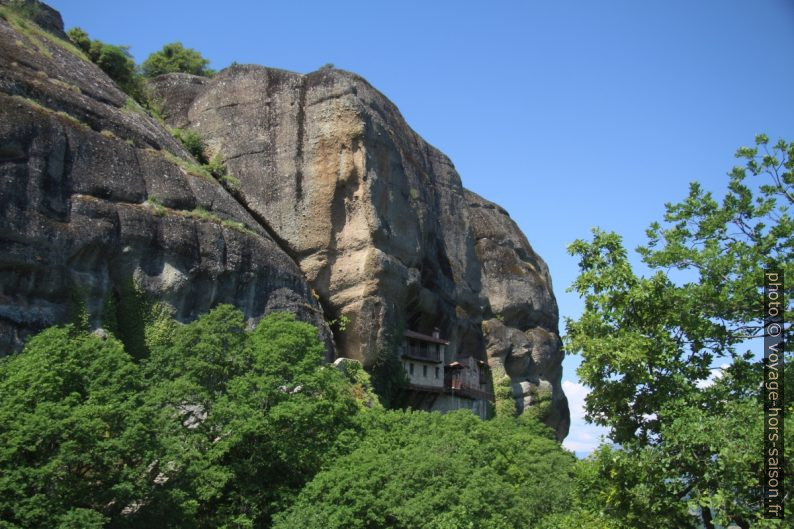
(424, 371)
(411, 368)
(438, 372)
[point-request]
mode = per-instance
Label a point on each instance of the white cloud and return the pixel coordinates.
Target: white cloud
(583, 438)
(576, 394)
(716, 372)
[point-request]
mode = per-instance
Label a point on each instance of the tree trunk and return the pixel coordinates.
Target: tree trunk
(705, 513)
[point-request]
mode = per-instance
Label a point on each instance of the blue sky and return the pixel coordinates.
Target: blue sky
(570, 114)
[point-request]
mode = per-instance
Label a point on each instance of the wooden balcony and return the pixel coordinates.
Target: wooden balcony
(455, 386)
(422, 354)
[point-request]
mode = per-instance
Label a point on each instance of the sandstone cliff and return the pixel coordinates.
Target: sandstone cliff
(341, 210)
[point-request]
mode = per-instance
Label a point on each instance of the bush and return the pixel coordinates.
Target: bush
(80, 39)
(115, 61)
(192, 142)
(176, 58)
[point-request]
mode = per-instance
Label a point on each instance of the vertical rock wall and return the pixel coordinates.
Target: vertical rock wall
(378, 221)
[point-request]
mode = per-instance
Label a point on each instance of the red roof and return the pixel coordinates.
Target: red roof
(424, 337)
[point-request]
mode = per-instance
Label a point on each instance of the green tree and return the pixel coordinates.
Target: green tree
(707, 463)
(115, 61)
(249, 417)
(176, 58)
(422, 470)
(649, 346)
(646, 340)
(75, 437)
(80, 38)
(218, 427)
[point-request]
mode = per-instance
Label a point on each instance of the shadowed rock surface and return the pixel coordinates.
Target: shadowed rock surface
(377, 220)
(94, 192)
(520, 329)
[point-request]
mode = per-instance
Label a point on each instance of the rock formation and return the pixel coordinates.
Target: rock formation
(94, 192)
(341, 210)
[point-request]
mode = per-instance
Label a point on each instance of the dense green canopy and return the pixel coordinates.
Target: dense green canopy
(218, 427)
(417, 470)
(174, 57)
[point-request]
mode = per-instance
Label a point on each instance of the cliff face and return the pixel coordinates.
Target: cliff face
(341, 210)
(94, 192)
(374, 216)
(377, 220)
(520, 329)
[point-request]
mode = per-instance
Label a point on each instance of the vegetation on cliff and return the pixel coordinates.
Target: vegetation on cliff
(117, 62)
(174, 57)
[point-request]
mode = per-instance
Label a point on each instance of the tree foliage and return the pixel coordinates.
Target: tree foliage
(114, 60)
(221, 426)
(690, 435)
(174, 57)
(425, 470)
(75, 436)
(647, 340)
(218, 427)
(257, 413)
(708, 464)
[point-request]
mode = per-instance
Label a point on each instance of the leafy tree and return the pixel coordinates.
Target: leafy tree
(250, 416)
(115, 61)
(218, 427)
(649, 344)
(75, 438)
(425, 470)
(80, 38)
(645, 341)
(706, 463)
(176, 58)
